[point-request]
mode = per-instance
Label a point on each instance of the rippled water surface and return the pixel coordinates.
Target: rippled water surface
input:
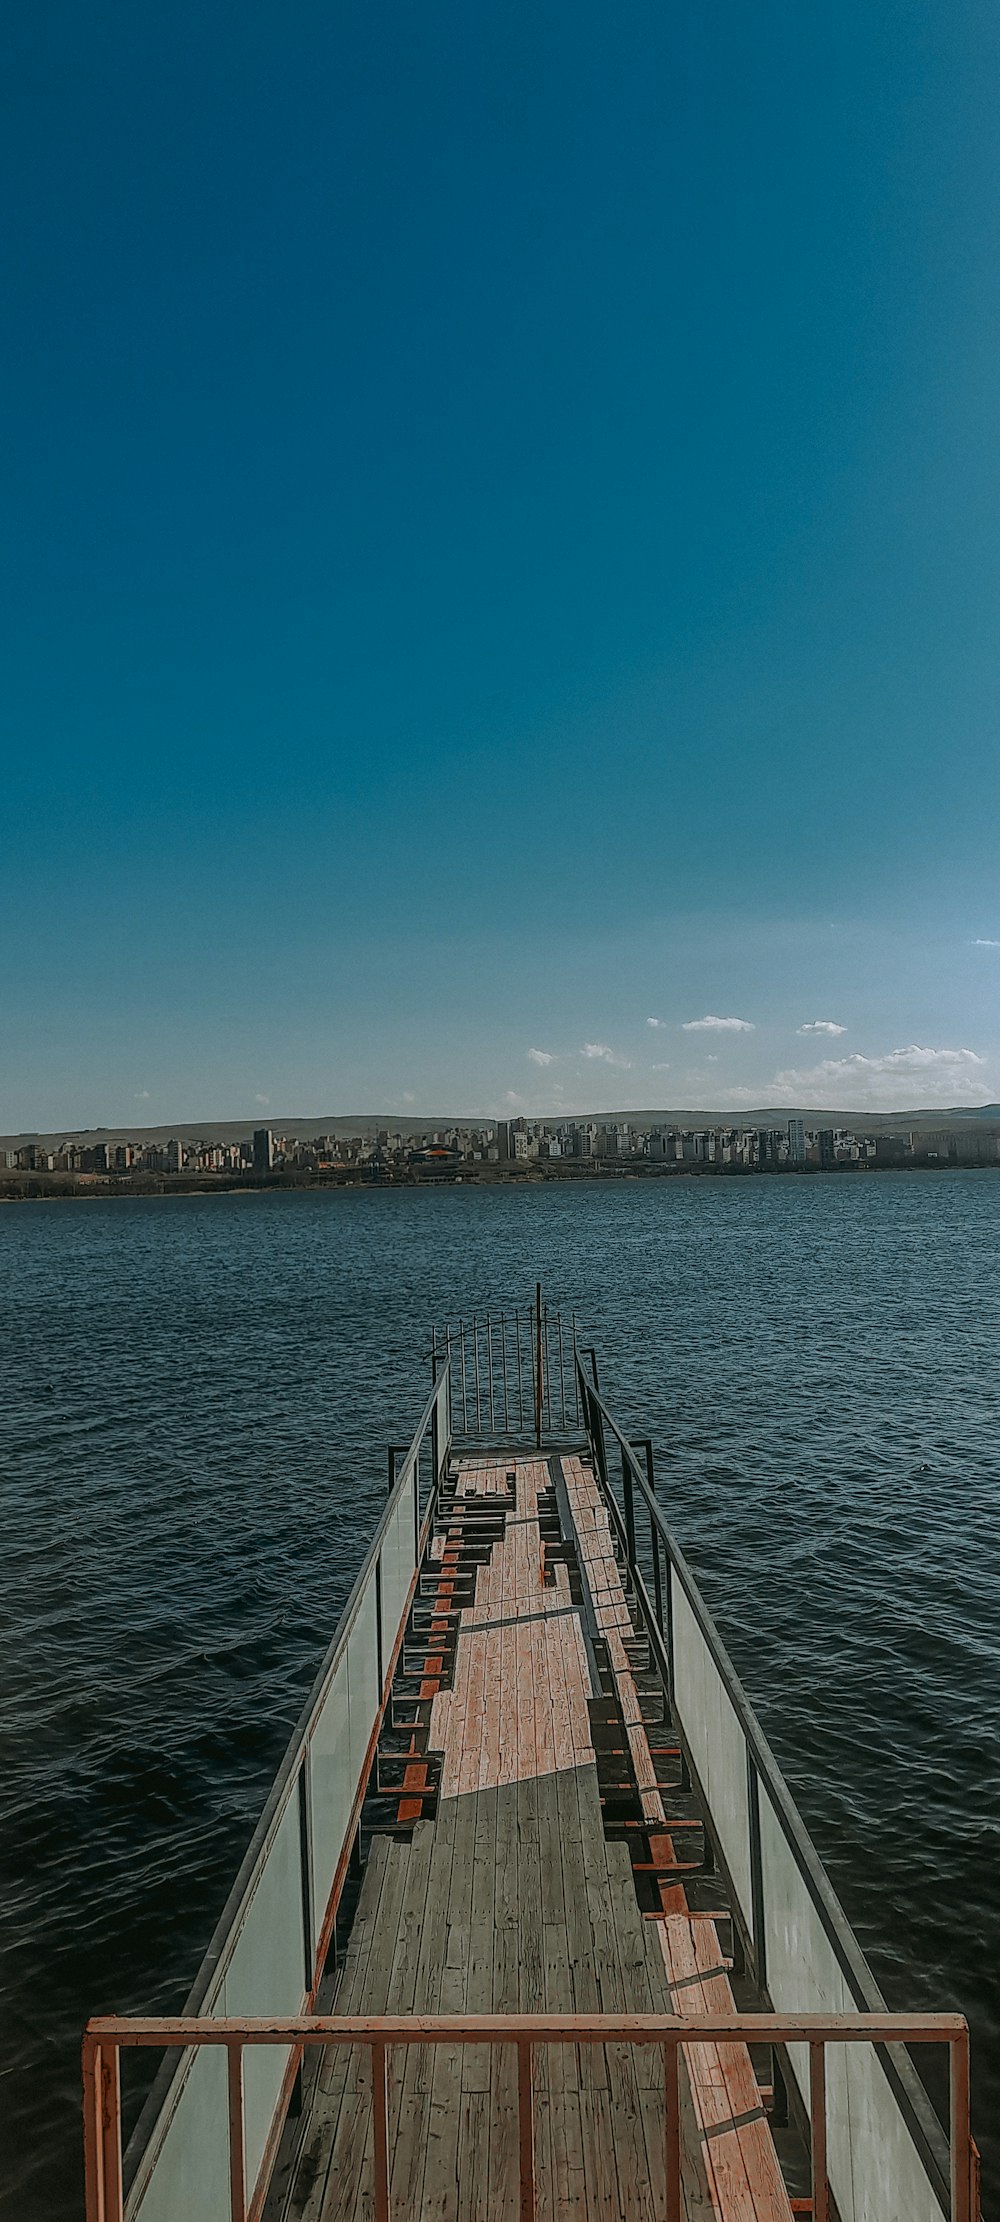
(196, 1396)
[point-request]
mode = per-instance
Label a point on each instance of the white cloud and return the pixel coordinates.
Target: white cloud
(821, 1026)
(512, 1097)
(541, 1056)
(712, 1025)
(659, 1068)
(262, 1099)
(901, 1078)
(141, 1095)
(656, 1022)
(986, 944)
(408, 1096)
(601, 1049)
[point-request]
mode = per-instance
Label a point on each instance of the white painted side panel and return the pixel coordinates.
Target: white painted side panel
(716, 1741)
(267, 1976)
(874, 2167)
(332, 1788)
(191, 2176)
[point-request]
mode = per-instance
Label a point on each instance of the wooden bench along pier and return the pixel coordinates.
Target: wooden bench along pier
(530, 1927)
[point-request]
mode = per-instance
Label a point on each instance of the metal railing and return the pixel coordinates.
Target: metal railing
(514, 1373)
(795, 1935)
(271, 1943)
(107, 2036)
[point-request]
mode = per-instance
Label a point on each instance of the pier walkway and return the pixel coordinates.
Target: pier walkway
(543, 1856)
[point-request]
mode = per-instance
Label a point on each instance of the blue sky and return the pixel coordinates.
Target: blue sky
(500, 546)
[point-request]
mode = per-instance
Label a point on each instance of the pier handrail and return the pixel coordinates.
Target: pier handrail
(107, 2035)
(763, 1771)
(301, 1828)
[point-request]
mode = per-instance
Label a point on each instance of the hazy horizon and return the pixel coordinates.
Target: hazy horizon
(303, 1125)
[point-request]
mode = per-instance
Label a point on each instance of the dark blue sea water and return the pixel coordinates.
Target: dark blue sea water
(195, 1399)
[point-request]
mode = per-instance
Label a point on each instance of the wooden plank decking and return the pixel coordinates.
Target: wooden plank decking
(512, 1898)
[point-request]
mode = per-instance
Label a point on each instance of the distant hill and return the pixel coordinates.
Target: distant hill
(985, 1116)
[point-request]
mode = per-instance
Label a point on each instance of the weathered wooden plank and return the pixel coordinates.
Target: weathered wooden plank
(505, 1998)
(742, 2164)
(350, 2151)
(312, 2171)
(440, 2176)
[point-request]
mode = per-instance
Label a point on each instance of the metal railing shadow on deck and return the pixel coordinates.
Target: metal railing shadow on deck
(269, 1949)
(887, 2153)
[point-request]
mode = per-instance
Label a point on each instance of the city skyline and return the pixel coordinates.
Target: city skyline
(495, 1151)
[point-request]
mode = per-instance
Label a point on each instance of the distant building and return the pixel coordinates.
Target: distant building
(797, 1141)
(827, 1148)
(263, 1149)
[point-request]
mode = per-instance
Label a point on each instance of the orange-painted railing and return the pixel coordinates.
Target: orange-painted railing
(107, 2036)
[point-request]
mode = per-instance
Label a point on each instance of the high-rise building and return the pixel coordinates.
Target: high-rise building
(797, 1141)
(263, 1149)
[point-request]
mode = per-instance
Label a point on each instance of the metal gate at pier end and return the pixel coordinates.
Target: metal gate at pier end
(514, 1374)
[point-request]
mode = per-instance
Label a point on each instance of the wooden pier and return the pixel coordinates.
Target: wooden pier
(529, 1926)
(515, 1891)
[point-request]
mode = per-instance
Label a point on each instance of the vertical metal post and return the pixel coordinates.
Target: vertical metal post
(111, 2131)
(465, 1393)
(817, 2118)
(93, 2186)
(520, 1373)
(489, 1360)
(380, 2127)
(102, 2131)
(538, 1365)
(654, 1537)
(434, 1355)
(961, 2132)
(503, 1346)
(599, 1448)
(525, 2128)
(475, 1353)
(756, 1873)
(237, 2146)
(562, 1375)
(548, 1368)
(629, 1495)
(576, 1380)
(306, 1869)
(672, 2096)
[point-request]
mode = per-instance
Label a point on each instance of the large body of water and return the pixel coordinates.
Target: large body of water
(196, 1394)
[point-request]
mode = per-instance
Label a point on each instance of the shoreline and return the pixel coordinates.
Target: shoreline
(96, 1187)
